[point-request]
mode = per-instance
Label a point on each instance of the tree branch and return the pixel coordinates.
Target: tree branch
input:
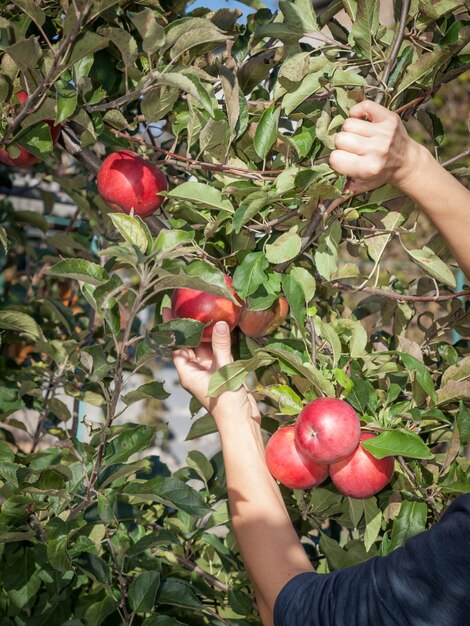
(405, 9)
(457, 157)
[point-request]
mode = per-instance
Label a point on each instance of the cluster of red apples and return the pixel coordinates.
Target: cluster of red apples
(326, 440)
(127, 182)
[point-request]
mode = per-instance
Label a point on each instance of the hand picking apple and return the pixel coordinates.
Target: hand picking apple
(406, 586)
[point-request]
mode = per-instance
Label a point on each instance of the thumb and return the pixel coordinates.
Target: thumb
(221, 344)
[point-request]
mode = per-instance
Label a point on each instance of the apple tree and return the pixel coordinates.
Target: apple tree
(239, 113)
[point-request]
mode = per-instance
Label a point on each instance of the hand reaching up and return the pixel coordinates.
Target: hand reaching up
(373, 148)
(195, 369)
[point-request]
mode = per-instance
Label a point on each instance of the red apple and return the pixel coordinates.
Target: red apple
(260, 323)
(361, 475)
(25, 158)
(126, 181)
(205, 307)
(288, 464)
(328, 430)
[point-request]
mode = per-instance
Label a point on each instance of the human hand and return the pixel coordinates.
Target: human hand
(374, 151)
(195, 368)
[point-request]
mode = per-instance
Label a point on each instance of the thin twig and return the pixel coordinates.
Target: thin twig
(178, 159)
(405, 9)
(457, 157)
(398, 296)
(313, 339)
(132, 95)
(422, 491)
(212, 580)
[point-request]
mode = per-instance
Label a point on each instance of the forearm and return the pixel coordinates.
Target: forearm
(270, 548)
(444, 200)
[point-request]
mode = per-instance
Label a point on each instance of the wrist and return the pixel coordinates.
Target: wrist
(413, 167)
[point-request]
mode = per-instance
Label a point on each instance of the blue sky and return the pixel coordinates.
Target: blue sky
(230, 4)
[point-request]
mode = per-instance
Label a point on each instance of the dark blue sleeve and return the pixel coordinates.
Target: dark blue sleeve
(424, 583)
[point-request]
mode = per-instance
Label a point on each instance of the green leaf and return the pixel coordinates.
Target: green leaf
(148, 391)
(366, 25)
(183, 331)
(205, 425)
(190, 85)
(306, 281)
(169, 491)
(250, 274)
(459, 371)
(32, 10)
(289, 402)
(143, 590)
(201, 464)
(20, 322)
(326, 254)
(67, 96)
(124, 42)
(98, 611)
(299, 14)
(6, 453)
(132, 439)
(86, 44)
(463, 423)
(10, 400)
(156, 538)
(26, 53)
(285, 248)
(295, 366)
(433, 265)
(398, 443)
(153, 35)
(131, 230)
(309, 85)
(36, 139)
(266, 131)
(179, 593)
(421, 373)
(79, 269)
(410, 521)
(373, 517)
(205, 37)
(205, 195)
(295, 297)
(231, 377)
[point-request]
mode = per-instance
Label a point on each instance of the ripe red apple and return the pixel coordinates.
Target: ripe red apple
(205, 307)
(260, 323)
(361, 475)
(126, 181)
(328, 430)
(288, 464)
(25, 158)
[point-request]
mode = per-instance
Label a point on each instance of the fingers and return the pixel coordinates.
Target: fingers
(346, 163)
(371, 110)
(352, 143)
(186, 365)
(221, 344)
(358, 127)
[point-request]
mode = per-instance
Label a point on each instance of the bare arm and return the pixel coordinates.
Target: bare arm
(270, 548)
(378, 150)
